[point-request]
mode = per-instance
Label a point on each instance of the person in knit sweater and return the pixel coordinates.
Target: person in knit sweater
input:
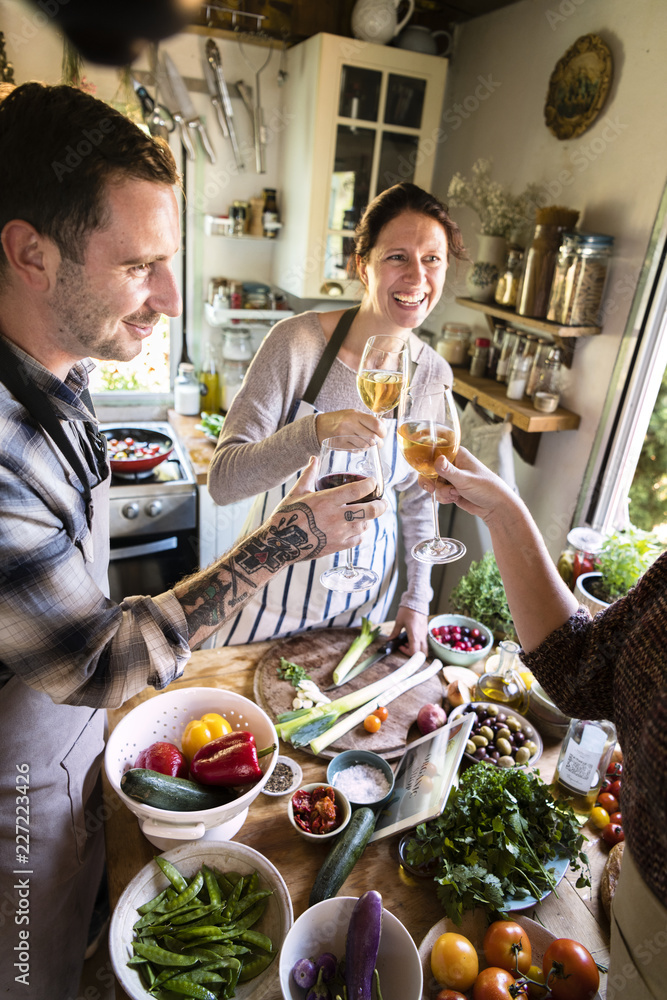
(612, 666)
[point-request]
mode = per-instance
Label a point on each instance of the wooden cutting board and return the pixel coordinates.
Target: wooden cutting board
(319, 652)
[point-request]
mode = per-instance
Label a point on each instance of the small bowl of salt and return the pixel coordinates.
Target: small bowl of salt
(363, 776)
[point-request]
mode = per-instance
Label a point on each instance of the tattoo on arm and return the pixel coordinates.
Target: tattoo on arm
(212, 597)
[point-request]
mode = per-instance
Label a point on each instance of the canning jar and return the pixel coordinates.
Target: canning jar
(237, 345)
(453, 343)
(233, 373)
(579, 278)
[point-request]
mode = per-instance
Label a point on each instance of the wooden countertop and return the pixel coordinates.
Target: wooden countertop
(197, 445)
(573, 913)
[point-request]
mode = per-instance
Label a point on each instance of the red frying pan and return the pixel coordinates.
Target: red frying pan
(136, 450)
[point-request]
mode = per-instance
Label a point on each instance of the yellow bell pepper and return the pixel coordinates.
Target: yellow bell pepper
(199, 732)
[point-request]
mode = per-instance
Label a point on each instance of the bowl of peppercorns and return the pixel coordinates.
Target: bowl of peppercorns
(458, 640)
(285, 777)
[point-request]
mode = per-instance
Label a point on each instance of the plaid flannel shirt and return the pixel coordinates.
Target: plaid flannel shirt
(59, 633)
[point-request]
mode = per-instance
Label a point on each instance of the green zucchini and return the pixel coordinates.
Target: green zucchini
(165, 792)
(343, 856)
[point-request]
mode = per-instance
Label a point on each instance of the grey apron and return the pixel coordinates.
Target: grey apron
(51, 819)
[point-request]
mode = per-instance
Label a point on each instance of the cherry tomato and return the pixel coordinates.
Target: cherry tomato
(615, 789)
(599, 817)
(493, 984)
(372, 723)
(504, 943)
(454, 961)
(381, 713)
(570, 970)
(606, 783)
(613, 834)
(615, 768)
(616, 818)
(608, 802)
(128, 441)
(536, 992)
(449, 995)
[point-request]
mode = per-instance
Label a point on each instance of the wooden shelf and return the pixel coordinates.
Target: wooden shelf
(492, 396)
(555, 330)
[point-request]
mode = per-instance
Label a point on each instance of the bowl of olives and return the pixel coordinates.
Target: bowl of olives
(500, 736)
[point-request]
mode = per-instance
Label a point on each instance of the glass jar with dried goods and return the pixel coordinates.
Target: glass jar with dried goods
(579, 280)
(453, 344)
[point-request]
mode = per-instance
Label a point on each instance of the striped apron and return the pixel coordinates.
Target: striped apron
(296, 600)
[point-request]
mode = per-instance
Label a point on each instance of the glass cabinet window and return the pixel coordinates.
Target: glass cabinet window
(351, 176)
(405, 101)
(359, 93)
(398, 155)
(339, 251)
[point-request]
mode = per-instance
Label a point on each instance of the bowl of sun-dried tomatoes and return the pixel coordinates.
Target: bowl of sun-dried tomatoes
(318, 811)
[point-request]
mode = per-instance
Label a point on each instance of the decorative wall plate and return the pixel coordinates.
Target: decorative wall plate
(578, 87)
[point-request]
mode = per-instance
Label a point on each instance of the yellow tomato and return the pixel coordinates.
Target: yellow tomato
(199, 732)
(454, 961)
(536, 992)
(599, 817)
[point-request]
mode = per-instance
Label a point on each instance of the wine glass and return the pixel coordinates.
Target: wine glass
(383, 373)
(428, 426)
(347, 459)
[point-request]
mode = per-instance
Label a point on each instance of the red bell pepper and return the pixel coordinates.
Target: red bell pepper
(164, 758)
(232, 759)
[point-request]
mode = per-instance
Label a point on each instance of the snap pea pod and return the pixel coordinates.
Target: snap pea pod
(161, 956)
(185, 985)
(250, 884)
(257, 939)
(247, 902)
(212, 887)
(152, 903)
(234, 897)
(251, 916)
(172, 873)
(186, 896)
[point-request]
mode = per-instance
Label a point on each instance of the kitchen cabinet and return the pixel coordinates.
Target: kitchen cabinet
(359, 118)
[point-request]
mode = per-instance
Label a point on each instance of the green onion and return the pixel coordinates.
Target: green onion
(362, 641)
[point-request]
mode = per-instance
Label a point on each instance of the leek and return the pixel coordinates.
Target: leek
(367, 635)
(316, 720)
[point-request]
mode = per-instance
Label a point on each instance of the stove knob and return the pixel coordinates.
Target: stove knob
(154, 508)
(130, 511)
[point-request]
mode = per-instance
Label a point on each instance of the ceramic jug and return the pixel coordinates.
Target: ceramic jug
(417, 38)
(377, 20)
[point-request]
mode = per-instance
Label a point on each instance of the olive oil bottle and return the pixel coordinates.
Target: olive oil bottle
(582, 764)
(503, 683)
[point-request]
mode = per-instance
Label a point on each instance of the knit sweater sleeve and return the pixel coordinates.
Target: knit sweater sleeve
(258, 449)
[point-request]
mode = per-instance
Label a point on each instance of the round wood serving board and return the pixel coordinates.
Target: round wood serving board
(319, 652)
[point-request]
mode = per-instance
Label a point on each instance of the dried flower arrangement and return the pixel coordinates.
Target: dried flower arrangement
(500, 212)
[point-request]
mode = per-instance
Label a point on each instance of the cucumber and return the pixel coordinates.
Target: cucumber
(165, 792)
(343, 856)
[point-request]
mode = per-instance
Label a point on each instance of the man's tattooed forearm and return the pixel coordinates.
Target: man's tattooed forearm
(208, 602)
(284, 543)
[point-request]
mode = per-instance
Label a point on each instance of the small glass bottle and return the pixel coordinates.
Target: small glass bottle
(239, 215)
(517, 378)
(508, 282)
(270, 213)
(495, 349)
(479, 356)
(533, 295)
(510, 339)
(548, 387)
(187, 395)
(582, 764)
(233, 373)
(209, 382)
(453, 344)
(504, 684)
(543, 348)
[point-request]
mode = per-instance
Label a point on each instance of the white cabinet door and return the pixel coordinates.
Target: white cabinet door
(219, 527)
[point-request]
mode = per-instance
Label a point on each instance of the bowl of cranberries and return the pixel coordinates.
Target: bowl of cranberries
(458, 640)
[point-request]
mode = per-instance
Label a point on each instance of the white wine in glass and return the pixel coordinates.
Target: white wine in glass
(428, 427)
(348, 459)
(383, 373)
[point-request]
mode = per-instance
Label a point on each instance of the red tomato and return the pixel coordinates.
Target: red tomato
(608, 802)
(570, 970)
(612, 834)
(616, 818)
(128, 441)
(504, 942)
(493, 984)
(615, 768)
(615, 789)
(606, 783)
(449, 995)
(164, 758)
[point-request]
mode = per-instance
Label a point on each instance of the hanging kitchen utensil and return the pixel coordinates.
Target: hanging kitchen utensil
(164, 84)
(258, 117)
(217, 86)
(185, 109)
(159, 119)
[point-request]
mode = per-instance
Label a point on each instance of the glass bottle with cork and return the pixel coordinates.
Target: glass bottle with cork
(502, 682)
(270, 213)
(582, 764)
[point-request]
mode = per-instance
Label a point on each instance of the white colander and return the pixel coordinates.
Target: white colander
(164, 717)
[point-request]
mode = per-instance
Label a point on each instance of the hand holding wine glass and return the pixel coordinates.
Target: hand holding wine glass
(342, 460)
(383, 373)
(428, 426)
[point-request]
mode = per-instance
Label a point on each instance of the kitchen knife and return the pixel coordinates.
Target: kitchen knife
(186, 109)
(219, 89)
(389, 647)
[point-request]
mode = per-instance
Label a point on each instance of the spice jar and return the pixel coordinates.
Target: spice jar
(495, 349)
(582, 764)
(580, 275)
(239, 215)
(508, 282)
(548, 386)
(187, 395)
(518, 376)
(543, 348)
(237, 345)
(479, 356)
(453, 343)
(510, 339)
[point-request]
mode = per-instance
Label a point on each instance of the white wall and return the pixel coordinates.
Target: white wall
(614, 174)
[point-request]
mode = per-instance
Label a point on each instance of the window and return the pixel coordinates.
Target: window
(148, 372)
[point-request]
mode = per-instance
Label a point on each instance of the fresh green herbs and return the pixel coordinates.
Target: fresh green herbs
(292, 672)
(624, 557)
(497, 839)
(480, 594)
(211, 423)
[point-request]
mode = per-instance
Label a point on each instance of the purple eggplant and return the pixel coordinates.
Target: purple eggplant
(362, 945)
(304, 973)
(320, 991)
(328, 963)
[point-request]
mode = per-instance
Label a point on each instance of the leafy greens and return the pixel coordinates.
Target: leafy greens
(480, 594)
(495, 840)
